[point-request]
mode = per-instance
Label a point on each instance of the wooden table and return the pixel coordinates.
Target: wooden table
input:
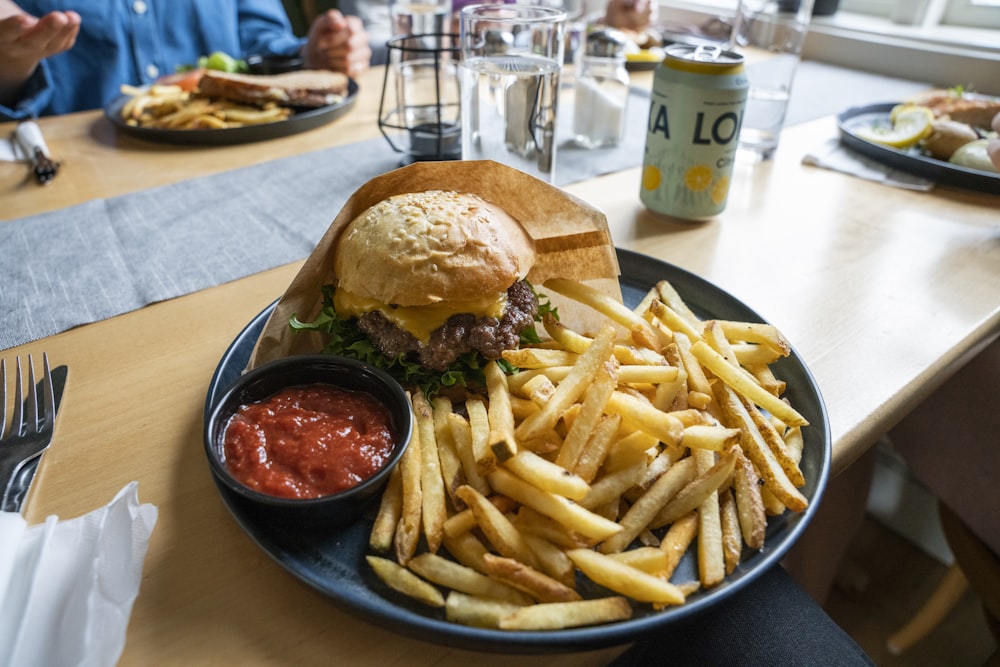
(884, 292)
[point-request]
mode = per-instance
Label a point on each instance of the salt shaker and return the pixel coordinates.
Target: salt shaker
(601, 90)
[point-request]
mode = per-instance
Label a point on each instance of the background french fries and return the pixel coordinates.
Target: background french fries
(170, 108)
(607, 458)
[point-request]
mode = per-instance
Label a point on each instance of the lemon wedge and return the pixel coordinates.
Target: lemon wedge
(910, 124)
(653, 55)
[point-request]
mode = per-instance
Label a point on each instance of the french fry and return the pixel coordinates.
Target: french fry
(673, 321)
(569, 389)
(669, 296)
(389, 510)
(432, 494)
(643, 304)
(547, 476)
(746, 384)
(602, 303)
(531, 522)
(569, 339)
(766, 335)
(673, 395)
(749, 504)
(641, 415)
(677, 540)
(711, 556)
(538, 388)
(646, 507)
(697, 490)
(552, 560)
(479, 422)
(758, 451)
(499, 414)
(709, 436)
(573, 516)
(400, 579)
(528, 580)
(696, 379)
(597, 447)
(497, 528)
(533, 357)
(659, 465)
(456, 577)
(476, 611)
(452, 471)
(794, 443)
(467, 550)
(750, 354)
(255, 116)
(408, 530)
(595, 398)
(611, 486)
(628, 450)
(464, 521)
(558, 615)
(647, 374)
(461, 433)
(651, 560)
(775, 442)
(732, 538)
(624, 579)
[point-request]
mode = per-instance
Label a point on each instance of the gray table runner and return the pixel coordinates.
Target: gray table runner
(110, 256)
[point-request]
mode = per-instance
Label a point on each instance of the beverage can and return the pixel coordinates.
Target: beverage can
(695, 113)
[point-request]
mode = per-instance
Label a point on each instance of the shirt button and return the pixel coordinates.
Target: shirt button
(152, 71)
(139, 7)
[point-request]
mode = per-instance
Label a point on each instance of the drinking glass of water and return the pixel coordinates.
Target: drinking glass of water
(770, 35)
(512, 55)
(419, 17)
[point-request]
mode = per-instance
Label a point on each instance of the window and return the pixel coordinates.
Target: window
(931, 13)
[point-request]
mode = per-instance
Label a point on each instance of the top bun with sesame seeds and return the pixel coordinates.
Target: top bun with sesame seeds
(435, 275)
(423, 248)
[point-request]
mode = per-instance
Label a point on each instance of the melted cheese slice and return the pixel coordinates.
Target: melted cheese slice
(419, 321)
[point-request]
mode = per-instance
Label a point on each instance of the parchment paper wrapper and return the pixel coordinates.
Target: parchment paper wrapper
(571, 241)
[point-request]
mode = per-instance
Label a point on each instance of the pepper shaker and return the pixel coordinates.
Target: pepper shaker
(601, 90)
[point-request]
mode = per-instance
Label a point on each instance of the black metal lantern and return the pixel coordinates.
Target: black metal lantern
(419, 112)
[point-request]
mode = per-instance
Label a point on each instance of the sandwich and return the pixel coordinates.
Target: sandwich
(429, 286)
(301, 88)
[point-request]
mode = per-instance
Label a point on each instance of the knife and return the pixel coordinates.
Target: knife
(28, 137)
(21, 482)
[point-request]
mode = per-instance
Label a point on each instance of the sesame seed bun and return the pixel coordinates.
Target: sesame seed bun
(423, 248)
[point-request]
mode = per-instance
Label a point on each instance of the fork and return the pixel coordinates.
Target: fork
(29, 432)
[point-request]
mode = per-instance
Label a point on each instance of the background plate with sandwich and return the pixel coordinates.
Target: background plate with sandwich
(312, 97)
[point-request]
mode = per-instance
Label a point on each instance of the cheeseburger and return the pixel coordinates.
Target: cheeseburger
(434, 282)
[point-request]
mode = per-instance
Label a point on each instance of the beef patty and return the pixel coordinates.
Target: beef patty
(460, 334)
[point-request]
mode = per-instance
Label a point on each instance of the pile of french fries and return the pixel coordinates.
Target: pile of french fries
(169, 107)
(609, 456)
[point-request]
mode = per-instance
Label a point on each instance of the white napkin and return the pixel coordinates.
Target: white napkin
(835, 156)
(31, 135)
(67, 587)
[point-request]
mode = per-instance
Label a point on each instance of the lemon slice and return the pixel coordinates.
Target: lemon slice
(653, 55)
(910, 124)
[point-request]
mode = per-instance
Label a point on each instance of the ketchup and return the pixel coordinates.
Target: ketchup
(309, 441)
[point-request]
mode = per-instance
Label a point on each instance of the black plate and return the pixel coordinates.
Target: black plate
(333, 562)
(298, 122)
(939, 171)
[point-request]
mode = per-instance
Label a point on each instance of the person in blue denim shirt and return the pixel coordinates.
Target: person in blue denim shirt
(60, 56)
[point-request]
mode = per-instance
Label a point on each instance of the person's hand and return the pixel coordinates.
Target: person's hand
(26, 40)
(339, 43)
(635, 15)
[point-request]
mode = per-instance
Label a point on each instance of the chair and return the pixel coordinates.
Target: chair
(976, 567)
